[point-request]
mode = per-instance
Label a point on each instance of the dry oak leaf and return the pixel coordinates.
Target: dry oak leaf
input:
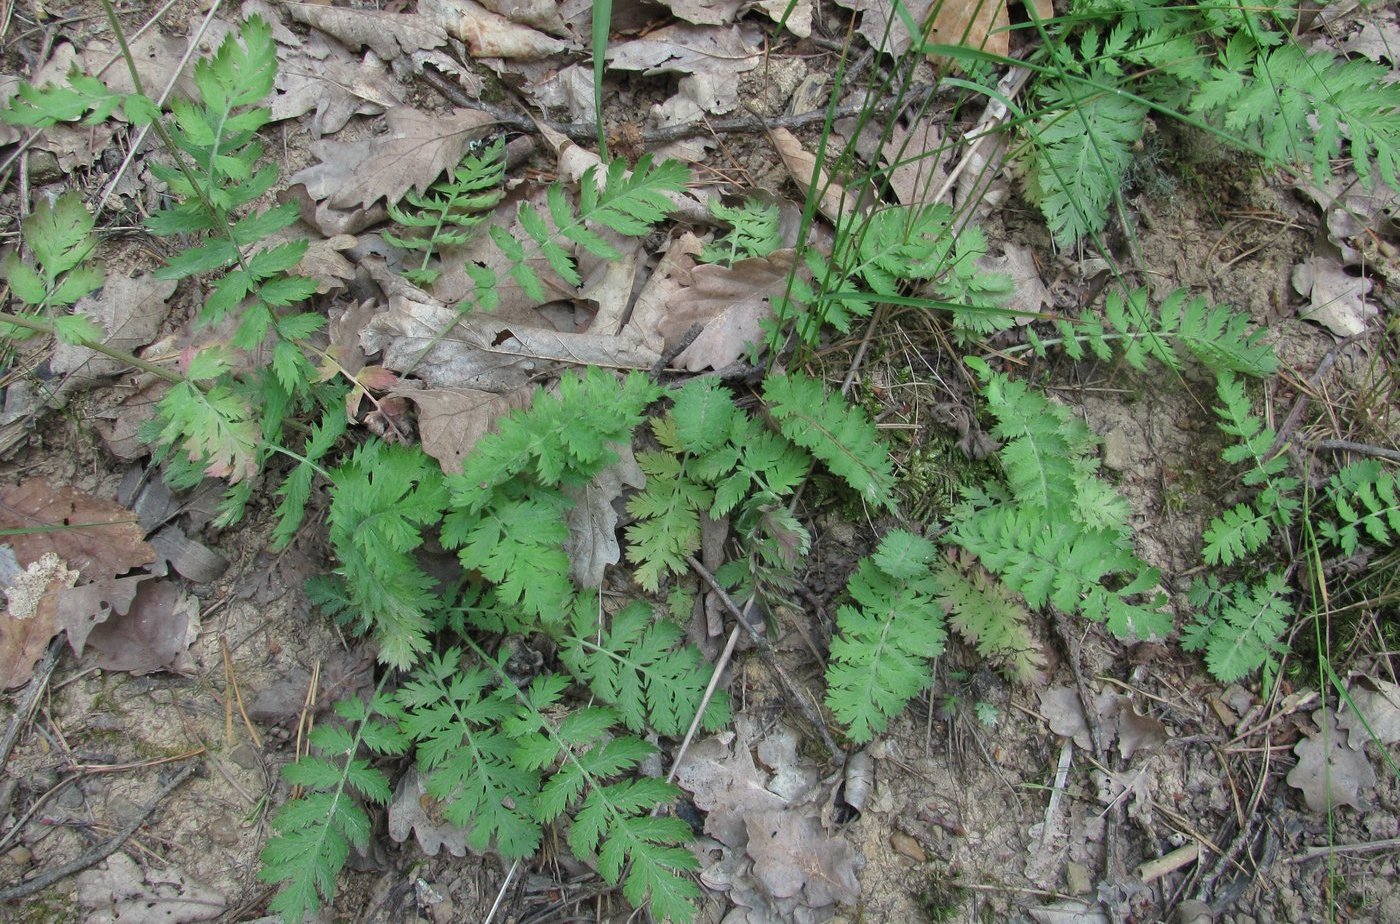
(799, 20)
(452, 420)
(130, 310)
(706, 12)
(387, 34)
(30, 620)
(414, 152)
(671, 276)
(687, 49)
(1330, 773)
(592, 543)
(97, 538)
(321, 75)
(488, 34)
(1377, 713)
(731, 302)
(160, 625)
(1336, 299)
(542, 14)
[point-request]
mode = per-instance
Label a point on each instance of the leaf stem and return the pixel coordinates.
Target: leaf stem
(47, 327)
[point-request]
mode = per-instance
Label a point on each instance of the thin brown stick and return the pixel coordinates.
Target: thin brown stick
(232, 683)
(765, 650)
(1366, 449)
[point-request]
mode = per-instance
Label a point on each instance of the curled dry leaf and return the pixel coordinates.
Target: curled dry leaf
(687, 49)
(542, 14)
(488, 34)
(731, 302)
(834, 203)
(414, 152)
(388, 34)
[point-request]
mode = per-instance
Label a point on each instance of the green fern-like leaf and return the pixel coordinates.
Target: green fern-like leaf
(836, 433)
(667, 513)
(1239, 626)
(1082, 147)
(886, 637)
(564, 438)
(448, 214)
(457, 716)
(754, 232)
(383, 498)
(1236, 534)
(60, 237)
(988, 616)
(295, 491)
(627, 203)
(1059, 536)
(315, 832)
(1217, 336)
(517, 543)
(635, 666)
(1307, 107)
(1366, 499)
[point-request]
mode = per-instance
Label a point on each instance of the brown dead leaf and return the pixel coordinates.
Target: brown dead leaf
(834, 203)
(666, 282)
(916, 157)
(687, 49)
(120, 890)
(542, 14)
(452, 420)
(1336, 299)
(155, 631)
(1330, 773)
(1030, 294)
(799, 15)
(131, 311)
(592, 543)
(95, 537)
(30, 620)
(731, 303)
(320, 75)
(1376, 716)
(705, 12)
(388, 34)
(488, 34)
(78, 609)
(721, 776)
(971, 24)
(792, 854)
(413, 811)
(119, 426)
(414, 152)
(323, 263)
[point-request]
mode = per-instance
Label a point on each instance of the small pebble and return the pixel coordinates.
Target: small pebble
(905, 845)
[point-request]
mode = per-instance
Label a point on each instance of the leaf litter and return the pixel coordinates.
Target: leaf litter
(778, 852)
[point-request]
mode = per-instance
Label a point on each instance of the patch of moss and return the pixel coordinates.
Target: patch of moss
(941, 898)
